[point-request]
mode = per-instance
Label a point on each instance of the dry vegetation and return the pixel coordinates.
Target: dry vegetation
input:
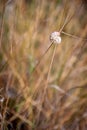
(51, 95)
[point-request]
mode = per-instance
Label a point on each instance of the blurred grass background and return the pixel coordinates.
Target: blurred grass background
(25, 27)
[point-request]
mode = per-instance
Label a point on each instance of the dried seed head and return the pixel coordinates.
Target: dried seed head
(55, 37)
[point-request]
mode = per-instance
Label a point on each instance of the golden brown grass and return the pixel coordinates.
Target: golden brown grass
(43, 92)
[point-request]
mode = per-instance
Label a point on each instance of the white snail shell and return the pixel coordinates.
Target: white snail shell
(55, 37)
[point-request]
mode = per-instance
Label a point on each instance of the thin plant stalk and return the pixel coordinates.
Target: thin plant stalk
(73, 36)
(50, 67)
(41, 58)
(48, 75)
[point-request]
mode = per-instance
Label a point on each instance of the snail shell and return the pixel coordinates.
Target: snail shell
(55, 37)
